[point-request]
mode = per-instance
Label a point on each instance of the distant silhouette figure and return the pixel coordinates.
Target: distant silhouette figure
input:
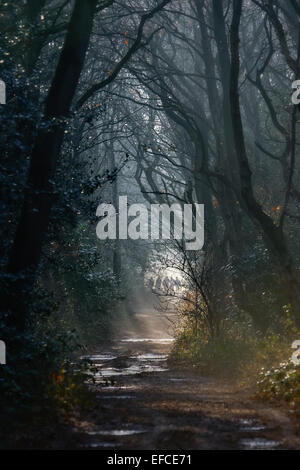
(158, 283)
(151, 283)
(173, 284)
(166, 283)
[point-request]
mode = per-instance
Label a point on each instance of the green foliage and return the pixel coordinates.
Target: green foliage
(224, 355)
(44, 390)
(42, 379)
(84, 287)
(69, 387)
(237, 352)
(32, 359)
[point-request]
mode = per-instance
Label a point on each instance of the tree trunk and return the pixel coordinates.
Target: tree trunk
(273, 233)
(26, 250)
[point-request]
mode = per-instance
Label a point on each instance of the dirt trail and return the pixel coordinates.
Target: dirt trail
(141, 404)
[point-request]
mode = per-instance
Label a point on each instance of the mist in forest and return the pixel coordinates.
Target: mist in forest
(189, 108)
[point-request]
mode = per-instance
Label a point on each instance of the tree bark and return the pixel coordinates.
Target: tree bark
(26, 249)
(273, 233)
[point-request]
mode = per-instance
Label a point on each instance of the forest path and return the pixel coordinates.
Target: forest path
(143, 404)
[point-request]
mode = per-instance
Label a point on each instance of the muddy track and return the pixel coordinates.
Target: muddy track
(142, 404)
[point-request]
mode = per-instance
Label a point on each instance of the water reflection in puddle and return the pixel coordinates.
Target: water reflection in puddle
(110, 364)
(148, 340)
(252, 428)
(100, 357)
(150, 357)
(248, 425)
(116, 388)
(101, 444)
(259, 443)
(132, 370)
(140, 363)
(116, 432)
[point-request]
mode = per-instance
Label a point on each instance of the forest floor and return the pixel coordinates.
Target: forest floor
(141, 403)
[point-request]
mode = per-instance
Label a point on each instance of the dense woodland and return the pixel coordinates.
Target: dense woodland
(168, 101)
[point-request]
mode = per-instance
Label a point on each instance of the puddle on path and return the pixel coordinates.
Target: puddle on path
(133, 355)
(148, 340)
(95, 445)
(150, 357)
(100, 357)
(117, 388)
(116, 432)
(249, 425)
(133, 364)
(259, 443)
(132, 370)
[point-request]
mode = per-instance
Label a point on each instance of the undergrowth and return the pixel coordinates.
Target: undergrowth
(244, 355)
